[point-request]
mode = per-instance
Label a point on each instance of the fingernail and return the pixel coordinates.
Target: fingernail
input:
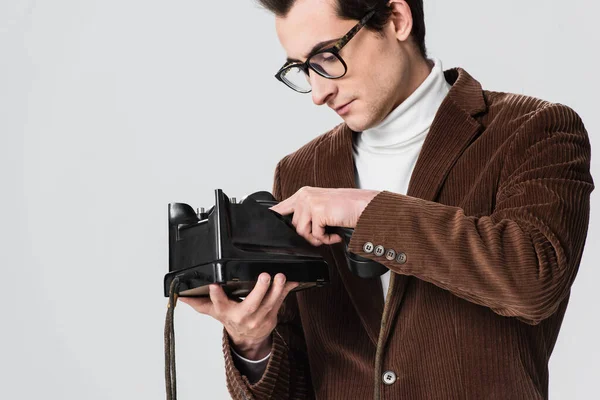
(264, 278)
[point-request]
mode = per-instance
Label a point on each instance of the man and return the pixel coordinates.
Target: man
(476, 201)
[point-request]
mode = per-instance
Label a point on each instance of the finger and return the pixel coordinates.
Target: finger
(304, 229)
(285, 207)
(318, 232)
(334, 238)
(276, 291)
(201, 304)
(296, 217)
(255, 297)
(330, 238)
(220, 301)
(287, 288)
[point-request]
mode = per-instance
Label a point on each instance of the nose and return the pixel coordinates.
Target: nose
(322, 88)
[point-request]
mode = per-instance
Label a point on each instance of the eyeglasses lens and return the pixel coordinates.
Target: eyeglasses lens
(295, 78)
(326, 64)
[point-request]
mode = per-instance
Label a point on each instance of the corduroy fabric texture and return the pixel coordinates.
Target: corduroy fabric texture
(493, 227)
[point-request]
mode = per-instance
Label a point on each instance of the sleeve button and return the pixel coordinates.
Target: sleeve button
(379, 250)
(401, 258)
(390, 254)
(368, 247)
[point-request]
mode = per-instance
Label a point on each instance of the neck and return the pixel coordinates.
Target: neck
(420, 70)
(410, 120)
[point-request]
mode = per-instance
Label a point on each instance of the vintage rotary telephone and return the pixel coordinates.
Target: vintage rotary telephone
(231, 244)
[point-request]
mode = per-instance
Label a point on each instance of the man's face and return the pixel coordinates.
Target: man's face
(378, 66)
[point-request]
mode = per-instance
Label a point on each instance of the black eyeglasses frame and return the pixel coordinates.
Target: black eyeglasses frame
(335, 50)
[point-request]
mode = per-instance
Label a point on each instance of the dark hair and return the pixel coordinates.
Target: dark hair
(356, 9)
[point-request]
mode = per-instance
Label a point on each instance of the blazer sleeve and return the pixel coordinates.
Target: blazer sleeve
(287, 374)
(521, 260)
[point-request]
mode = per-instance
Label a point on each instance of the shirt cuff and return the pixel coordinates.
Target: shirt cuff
(250, 361)
(252, 369)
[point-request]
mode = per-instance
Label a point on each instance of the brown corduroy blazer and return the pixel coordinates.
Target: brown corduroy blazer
(493, 227)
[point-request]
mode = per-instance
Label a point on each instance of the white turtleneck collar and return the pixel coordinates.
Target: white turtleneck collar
(410, 120)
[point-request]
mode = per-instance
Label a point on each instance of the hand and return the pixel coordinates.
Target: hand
(250, 322)
(315, 208)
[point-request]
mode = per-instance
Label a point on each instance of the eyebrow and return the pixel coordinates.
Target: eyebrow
(316, 47)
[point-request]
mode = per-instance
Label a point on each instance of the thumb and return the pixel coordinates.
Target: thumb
(332, 238)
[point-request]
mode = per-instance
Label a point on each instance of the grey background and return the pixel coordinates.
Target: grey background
(109, 110)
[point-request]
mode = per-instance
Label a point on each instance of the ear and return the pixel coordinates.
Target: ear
(401, 19)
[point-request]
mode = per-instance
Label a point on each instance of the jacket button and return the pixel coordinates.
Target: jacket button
(390, 254)
(401, 258)
(389, 377)
(368, 247)
(379, 250)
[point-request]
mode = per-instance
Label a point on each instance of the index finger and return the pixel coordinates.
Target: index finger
(284, 207)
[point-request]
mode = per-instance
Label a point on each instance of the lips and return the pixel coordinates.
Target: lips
(342, 106)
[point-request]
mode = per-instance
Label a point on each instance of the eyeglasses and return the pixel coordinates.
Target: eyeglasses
(326, 62)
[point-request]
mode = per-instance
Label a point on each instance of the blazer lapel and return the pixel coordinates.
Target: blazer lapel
(451, 132)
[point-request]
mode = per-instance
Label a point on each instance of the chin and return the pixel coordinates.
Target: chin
(358, 123)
